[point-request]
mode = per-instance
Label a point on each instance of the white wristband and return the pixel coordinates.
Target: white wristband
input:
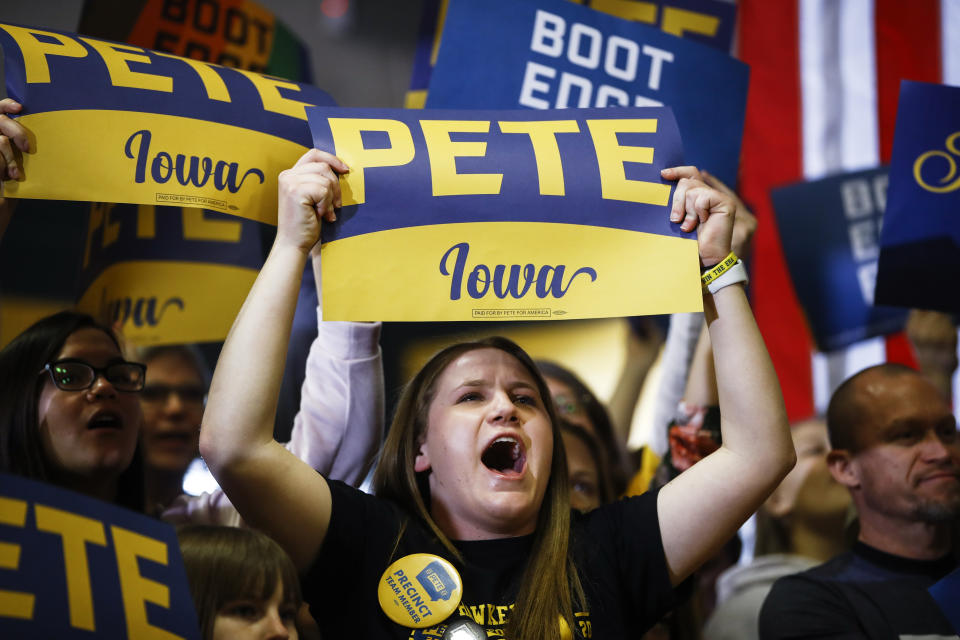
(734, 275)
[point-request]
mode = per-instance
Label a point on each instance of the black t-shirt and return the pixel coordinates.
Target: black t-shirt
(864, 593)
(617, 550)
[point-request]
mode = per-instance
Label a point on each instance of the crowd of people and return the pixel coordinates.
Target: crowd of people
(512, 471)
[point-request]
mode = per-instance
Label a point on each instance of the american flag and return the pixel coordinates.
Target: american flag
(824, 81)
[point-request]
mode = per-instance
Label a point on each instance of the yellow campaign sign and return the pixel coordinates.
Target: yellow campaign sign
(146, 171)
(504, 215)
(152, 300)
(501, 274)
(118, 123)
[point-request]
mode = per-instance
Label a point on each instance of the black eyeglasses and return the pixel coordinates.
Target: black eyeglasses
(188, 394)
(77, 375)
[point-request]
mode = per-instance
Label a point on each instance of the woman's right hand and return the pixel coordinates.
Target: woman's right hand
(309, 192)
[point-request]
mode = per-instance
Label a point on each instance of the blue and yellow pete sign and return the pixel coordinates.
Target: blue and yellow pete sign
(920, 240)
(504, 215)
(118, 123)
(830, 231)
(72, 567)
(504, 54)
(167, 275)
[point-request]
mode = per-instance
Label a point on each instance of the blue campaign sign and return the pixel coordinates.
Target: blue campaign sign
(464, 215)
(708, 22)
(946, 593)
(72, 567)
(920, 240)
(501, 54)
(830, 230)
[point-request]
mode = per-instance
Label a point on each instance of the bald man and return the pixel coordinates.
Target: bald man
(896, 449)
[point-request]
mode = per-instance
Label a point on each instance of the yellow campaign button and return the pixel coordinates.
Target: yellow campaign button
(420, 590)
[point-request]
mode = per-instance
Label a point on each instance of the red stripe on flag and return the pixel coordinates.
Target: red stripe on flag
(900, 351)
(771, 156)
(908, 47)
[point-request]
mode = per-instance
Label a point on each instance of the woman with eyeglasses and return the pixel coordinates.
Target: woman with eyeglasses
(577, 404)
(172, 401)
(69, 405)
(70, 409)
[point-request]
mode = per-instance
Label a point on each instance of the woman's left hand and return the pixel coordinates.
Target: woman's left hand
(696, 203)
(14, 141)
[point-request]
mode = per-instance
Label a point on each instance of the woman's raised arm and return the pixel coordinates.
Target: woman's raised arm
(271, 488)
(706, 504)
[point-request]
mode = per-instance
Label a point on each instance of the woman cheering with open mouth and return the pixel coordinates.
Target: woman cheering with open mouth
(471, 517)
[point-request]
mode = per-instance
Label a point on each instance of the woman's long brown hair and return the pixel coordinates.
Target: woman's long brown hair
(225, 564)
(550, 583)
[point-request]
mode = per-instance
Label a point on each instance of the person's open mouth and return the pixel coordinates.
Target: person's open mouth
(105, 420)
(505, 455)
